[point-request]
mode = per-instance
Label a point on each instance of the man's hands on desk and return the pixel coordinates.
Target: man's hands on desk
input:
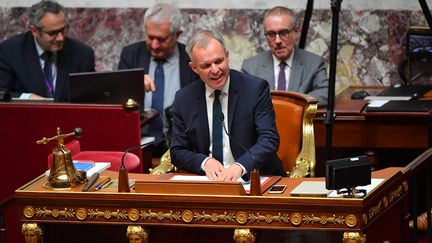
(215, 171)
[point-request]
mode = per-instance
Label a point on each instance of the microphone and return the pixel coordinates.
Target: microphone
(255, 189)
(123, 184)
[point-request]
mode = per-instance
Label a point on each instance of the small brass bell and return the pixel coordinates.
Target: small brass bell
(63, 173)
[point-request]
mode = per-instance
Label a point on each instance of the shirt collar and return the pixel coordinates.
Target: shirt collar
(172, 58)
(225, 88)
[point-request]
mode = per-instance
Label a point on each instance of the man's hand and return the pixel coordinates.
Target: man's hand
(149, 84)
(233, 173)
(213, 169)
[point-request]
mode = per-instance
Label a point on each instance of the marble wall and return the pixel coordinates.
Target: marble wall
(371, 42)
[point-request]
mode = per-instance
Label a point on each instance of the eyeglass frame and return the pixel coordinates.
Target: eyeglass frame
(283, 33)
(53, 33)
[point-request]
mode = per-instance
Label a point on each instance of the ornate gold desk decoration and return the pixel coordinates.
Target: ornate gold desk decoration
(32, 233)
(63, 174)
(353, 237)
(244, 236)
(137, 234)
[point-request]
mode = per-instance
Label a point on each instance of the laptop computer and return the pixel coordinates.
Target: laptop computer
(110, 87)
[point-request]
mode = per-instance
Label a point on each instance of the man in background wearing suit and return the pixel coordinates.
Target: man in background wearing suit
(306, 71)
(161, 56)
(223, 96)
(37, 63)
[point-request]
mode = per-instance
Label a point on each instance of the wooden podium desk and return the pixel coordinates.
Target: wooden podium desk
(354, 127)
(371, 216)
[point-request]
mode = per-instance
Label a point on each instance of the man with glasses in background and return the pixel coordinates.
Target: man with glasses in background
(285, 66)
(36, 64)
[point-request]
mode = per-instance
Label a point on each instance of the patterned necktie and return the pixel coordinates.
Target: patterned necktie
(47, 73)
(156, 126)
(217, 141)
(281, 78)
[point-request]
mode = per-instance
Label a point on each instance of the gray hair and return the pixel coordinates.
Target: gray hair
(38, 10)
(279, 10)
(164, 12)
(202, 39)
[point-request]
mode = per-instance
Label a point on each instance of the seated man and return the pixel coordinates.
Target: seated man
(37, 63)
(165, 63)
(306, 71)
(224, 125)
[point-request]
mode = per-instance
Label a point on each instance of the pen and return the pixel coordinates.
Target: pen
(108, 184)
(100, 186)
(90, 183)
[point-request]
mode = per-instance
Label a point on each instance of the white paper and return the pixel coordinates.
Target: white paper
(246, 185)
(375, 182)
(377, 103)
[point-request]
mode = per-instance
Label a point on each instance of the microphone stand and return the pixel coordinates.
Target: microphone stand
(329, 118)
(306, 21)
(255, 180)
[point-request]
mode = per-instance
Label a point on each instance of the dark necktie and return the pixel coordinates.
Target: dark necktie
(217, 128)
(281, 78)
(47, 73)
(156, 127)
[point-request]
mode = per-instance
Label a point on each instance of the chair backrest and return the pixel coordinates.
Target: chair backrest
(294, 121)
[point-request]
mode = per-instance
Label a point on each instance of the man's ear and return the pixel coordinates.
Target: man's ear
(193, 67)
(34, 30)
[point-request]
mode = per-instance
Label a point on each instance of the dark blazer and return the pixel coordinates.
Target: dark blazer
(308, 73)
(138, 56)
(21, 72)
(251, 122)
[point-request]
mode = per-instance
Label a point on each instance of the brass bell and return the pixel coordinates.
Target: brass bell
(63, 173)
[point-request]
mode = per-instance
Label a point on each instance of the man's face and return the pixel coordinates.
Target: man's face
(211, 64)
(159, 40)
(50, 34)
(281, 35)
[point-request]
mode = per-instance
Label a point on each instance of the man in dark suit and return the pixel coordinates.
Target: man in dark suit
(36, 64)
(162, 24)
(244, 106)
(285, 66)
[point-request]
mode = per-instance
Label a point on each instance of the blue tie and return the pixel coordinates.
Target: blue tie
(156, 126)
(217, 128)
(47, 73)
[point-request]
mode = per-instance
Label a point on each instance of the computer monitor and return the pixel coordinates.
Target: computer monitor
(110, 87)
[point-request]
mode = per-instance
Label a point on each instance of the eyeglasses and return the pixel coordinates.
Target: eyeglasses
(283, 34)
(54, 33)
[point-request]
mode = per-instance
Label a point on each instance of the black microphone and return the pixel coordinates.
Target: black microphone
(255, 180)
(123, 180)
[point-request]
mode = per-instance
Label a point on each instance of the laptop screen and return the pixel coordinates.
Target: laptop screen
(111, 87)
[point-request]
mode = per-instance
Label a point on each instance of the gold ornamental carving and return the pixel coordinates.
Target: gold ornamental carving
(187, 216)
(296, 219)
(385, 201)
(269, 218)
(241, 217)
(349, 237)
(405, 185)
(214, 217)
(365, 218)
(395, 194)
(107, 214)
(29, 212)
(323, 219)
(374, 211)
(133, 214)
(67, 213)
(160, 215)
(351, 220)
(81, 214)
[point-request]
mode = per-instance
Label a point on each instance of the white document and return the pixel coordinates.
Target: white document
(377, 103)
(246, 185)
(375, 182)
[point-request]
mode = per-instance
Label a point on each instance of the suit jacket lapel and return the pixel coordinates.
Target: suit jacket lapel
(203, 119)
(297, 70)
(31, 59)
(232, 98)
(266, 69)
(143, 58)
(62, 75)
